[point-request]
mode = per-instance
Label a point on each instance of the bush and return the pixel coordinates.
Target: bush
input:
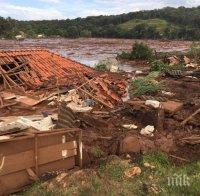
(144, 85)
(124, 55)
(195, 51)
(101, 67)
(159, 65)
(141, 51)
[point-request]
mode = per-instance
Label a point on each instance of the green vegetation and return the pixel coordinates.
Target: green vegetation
(145, 85)
(110, 179)
(140, 51)
(101, 67)
(97, 152)
(166, 23)
(159, 65)
(159, 24)
(148, 26)
(195, 51)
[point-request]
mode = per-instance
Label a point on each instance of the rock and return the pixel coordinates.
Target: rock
(148, 165)
(130, 126)
(191, 65)
(130, 144)
(134, 171)
(5, 137)
(186, 60)
(148, 130)
(152, 103)
(174, 60)
(172, 106)
(138, 72)
(170, 94)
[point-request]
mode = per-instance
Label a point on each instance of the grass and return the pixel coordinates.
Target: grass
(37, 189)
(109, 179)
(159, 24)
(160, 66)
(145, 85)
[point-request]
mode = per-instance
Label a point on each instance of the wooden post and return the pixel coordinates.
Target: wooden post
(160, 119)
(80, 149)
(36, 153)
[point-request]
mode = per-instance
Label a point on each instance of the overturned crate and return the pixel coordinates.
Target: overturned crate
(25, 158)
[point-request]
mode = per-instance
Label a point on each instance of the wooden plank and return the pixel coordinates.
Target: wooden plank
(17, 67)
(21, 161)
(16, 181)
(53, 153)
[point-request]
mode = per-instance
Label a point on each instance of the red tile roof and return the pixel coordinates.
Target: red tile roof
(41, 66)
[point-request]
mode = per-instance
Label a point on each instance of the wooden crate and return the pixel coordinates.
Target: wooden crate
(25, 158)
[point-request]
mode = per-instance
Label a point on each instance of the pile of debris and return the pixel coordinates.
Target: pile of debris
(37, 81)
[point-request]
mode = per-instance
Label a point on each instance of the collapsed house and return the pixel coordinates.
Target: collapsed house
(31, 68)
(39, 71)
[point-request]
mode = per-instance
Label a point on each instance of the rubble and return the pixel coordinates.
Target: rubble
(130, 126)
(174, 60)
(134, 171)
(52, 92)
(186, 60)
(148, 165)
(152, 103)
(45, 124)
(148, 130)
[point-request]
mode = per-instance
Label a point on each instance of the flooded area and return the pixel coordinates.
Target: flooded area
(90, 51)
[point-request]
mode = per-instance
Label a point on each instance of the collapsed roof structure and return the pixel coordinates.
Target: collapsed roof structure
(39, 70)
(31, 68)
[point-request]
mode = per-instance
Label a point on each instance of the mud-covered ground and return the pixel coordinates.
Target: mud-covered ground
(90, 51)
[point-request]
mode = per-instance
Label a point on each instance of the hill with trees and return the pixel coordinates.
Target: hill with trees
(166, 23)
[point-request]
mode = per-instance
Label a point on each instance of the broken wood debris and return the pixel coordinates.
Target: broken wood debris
(194, 139)
(190, 117)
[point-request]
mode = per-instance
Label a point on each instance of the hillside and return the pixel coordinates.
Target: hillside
(166, 23)
(159, 24)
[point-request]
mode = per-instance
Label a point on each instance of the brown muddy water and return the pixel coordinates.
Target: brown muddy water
(90, 51)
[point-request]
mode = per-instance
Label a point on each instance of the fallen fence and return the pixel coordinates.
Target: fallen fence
(25, 158)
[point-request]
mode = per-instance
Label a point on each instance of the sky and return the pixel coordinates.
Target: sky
(63, 9)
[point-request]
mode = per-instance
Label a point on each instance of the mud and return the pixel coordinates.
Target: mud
(106, 131)
(90, 51)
